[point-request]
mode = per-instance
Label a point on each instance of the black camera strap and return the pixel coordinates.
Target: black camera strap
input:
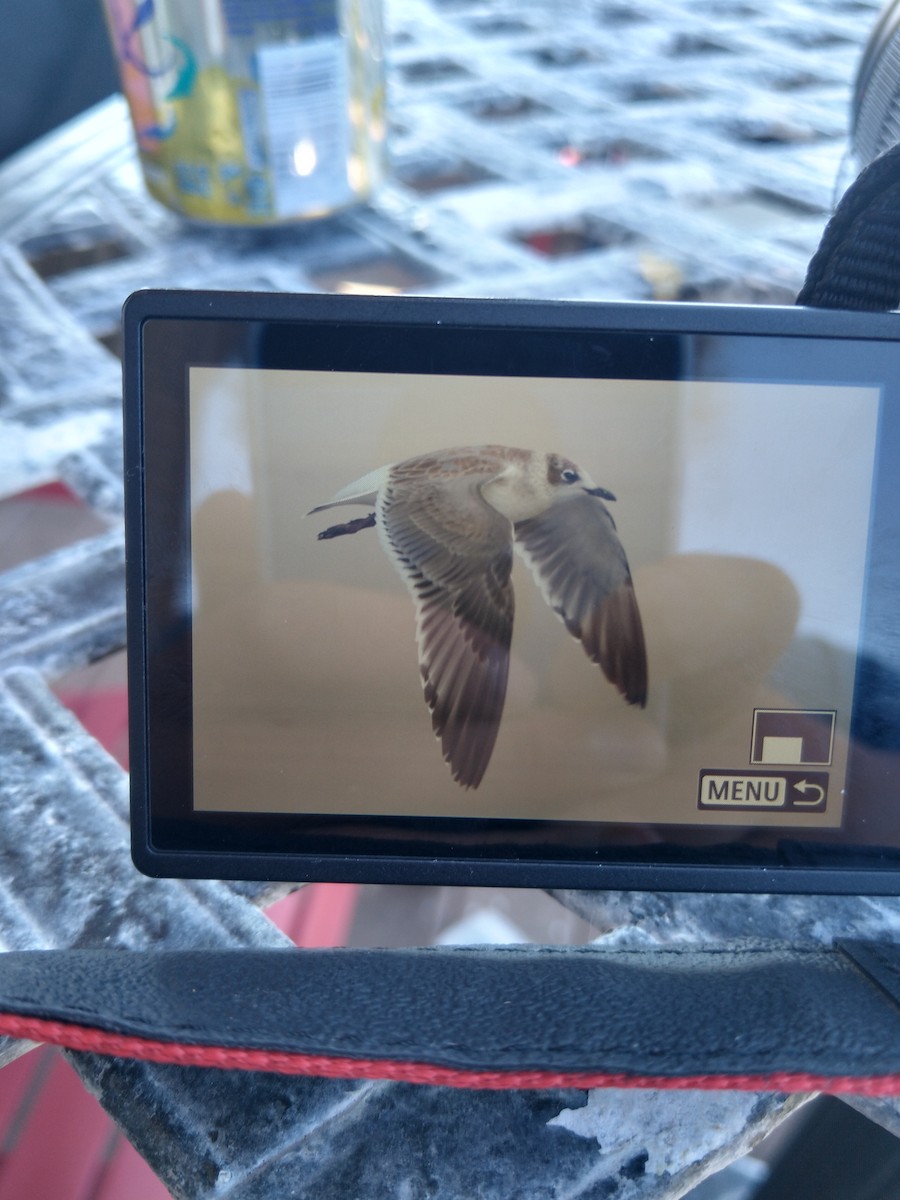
(760, 1018)
(857, 264)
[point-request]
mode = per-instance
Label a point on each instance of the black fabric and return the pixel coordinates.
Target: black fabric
(857, 264)
(661, 1012)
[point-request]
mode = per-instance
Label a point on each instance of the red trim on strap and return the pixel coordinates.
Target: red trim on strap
(101, 1041)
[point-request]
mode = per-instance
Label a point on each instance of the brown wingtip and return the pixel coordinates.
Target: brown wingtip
(467, 779)
(614, 639)
(468, 732)
(466, 699)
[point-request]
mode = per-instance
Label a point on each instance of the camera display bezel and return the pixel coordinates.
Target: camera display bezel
(168, 333)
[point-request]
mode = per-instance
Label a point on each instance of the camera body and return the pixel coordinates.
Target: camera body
(498, 592)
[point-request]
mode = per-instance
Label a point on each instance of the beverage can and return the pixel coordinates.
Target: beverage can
(254, 112)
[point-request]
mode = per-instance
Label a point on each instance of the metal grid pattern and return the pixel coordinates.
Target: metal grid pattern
(596, 149)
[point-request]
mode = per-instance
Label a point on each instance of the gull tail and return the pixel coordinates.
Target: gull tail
(361, 491)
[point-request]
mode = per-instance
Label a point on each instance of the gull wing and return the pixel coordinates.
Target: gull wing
(455, 553)
(576, 557)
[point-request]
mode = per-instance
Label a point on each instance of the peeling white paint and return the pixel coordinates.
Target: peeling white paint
(674, 1129)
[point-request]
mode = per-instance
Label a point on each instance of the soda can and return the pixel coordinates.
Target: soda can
(254, 112)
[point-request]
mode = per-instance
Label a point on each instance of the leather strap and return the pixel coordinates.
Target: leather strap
(765, 1018)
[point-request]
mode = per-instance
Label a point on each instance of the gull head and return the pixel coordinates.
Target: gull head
(530, 483)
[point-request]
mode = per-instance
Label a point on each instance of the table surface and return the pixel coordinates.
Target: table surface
(597, 150)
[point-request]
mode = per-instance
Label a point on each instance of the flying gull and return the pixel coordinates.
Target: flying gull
(449, 521)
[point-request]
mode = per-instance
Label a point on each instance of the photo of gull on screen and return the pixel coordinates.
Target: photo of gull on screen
(516, 598)
(449, 521)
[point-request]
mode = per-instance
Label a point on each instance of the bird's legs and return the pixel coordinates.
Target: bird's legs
(354, 526)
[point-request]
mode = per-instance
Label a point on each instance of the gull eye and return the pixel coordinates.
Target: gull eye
(569, 475)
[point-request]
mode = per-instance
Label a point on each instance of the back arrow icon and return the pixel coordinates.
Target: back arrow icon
(805, 786)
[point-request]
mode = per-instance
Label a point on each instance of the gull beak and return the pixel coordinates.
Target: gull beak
(601, 492)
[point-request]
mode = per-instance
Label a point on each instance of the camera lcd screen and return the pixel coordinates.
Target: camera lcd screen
(557, 595)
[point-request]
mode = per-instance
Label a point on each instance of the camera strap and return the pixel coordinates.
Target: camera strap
(762, 1018)
(857, 264)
